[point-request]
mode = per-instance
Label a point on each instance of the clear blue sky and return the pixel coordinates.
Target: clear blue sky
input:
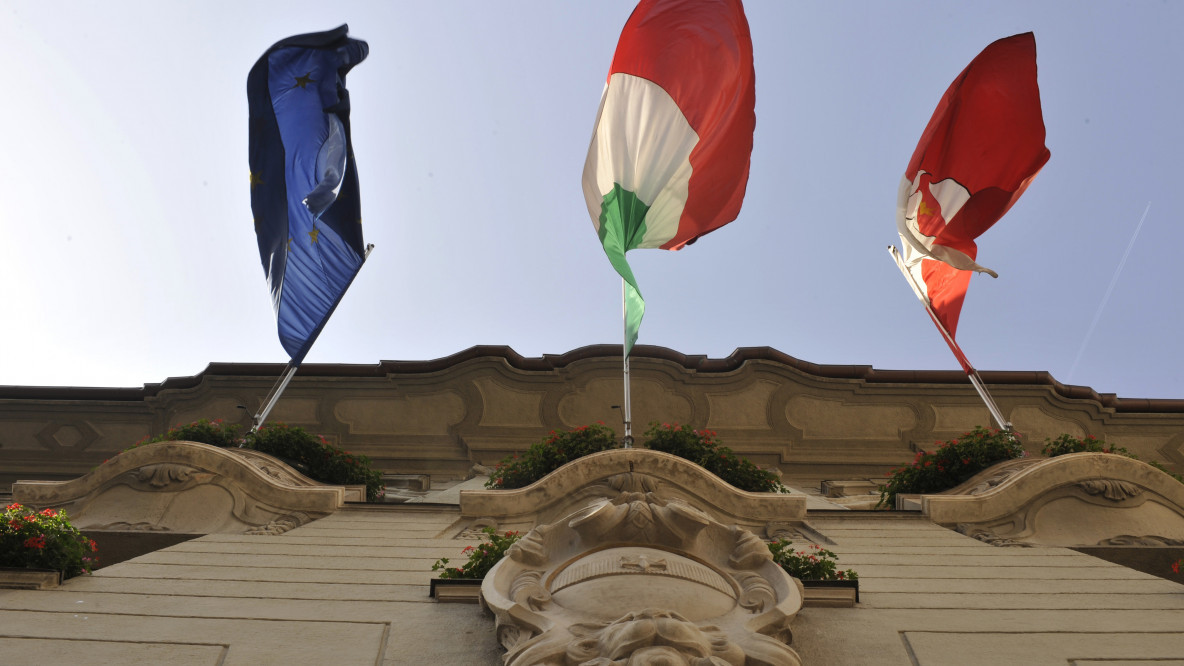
(128, 253)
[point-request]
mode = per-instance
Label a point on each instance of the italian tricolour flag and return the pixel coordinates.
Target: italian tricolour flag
(669, 156)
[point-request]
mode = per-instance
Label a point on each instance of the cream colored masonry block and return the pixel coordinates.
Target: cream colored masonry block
(413, 573)
(1077, 599)
(50, 651)
(652, 401)
(248, 641)
(414, 414)
(116, 436)
(361, 591)
(1044, 649)
(827, 418)
(959, 418)
(976, 586)
(1036, 425)
(505, 406)
(295, 410)
(248, 603)
(21, 435)
(406, 550)
(1147, 447)
(215, 408)
(305, 562)
(874, 636)
(743, 409)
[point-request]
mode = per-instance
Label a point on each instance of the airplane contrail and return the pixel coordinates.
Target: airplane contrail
(1109, 290)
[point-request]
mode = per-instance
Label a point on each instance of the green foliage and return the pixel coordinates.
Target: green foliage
(701, 448)
(44, 540)
(311, 454)
(1159, 466)
(481, 557)
(952, 463)
(1070, 444)
(815, 563)
(697, 446)
(204, 431)
(558, 449)
(321, 460)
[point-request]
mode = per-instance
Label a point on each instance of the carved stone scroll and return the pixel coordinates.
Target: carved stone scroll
(1079, 499)
(187, 487)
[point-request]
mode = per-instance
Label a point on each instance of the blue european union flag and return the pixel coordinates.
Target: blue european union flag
(304, 186)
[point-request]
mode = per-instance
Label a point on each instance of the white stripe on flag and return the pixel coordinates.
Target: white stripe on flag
(643, 143)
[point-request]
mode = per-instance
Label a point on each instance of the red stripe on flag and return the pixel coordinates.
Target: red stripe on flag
(987, 134)
(700, 53)
(946, 287)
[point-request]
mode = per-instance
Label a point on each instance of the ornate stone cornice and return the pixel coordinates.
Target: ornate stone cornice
(551, 362)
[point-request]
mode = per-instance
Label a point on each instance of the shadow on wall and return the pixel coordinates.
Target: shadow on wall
(116, 547)
(1154, 560)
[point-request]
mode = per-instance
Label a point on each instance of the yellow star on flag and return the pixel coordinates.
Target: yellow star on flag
(313, 234)
(926, 209)
(289, 243)
(256, 179)
(302, 81)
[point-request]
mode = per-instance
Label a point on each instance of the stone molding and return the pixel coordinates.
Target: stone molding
(1080, 499)
(187, 487)
(631, 568)
(592, 478)
(439, 417)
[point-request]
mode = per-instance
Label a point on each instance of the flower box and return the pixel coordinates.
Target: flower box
(13, 578)
(456, 590)
(830, 593)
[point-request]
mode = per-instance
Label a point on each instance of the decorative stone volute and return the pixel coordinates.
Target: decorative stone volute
(190, 488)
(638, 570)
(1080, 499)
(626, 475)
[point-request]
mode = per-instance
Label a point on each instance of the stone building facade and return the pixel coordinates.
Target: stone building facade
(627, 556)
(440, 417)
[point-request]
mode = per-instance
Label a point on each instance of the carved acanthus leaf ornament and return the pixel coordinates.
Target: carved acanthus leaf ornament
(640, 577)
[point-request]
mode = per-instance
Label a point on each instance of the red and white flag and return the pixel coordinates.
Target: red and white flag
(981, 149)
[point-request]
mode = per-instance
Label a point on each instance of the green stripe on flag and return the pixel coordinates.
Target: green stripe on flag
(622, 228)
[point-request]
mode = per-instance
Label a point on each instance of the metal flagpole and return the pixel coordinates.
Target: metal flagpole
(274, 396)
(628, 411)
(971, 374)
(982, 392)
